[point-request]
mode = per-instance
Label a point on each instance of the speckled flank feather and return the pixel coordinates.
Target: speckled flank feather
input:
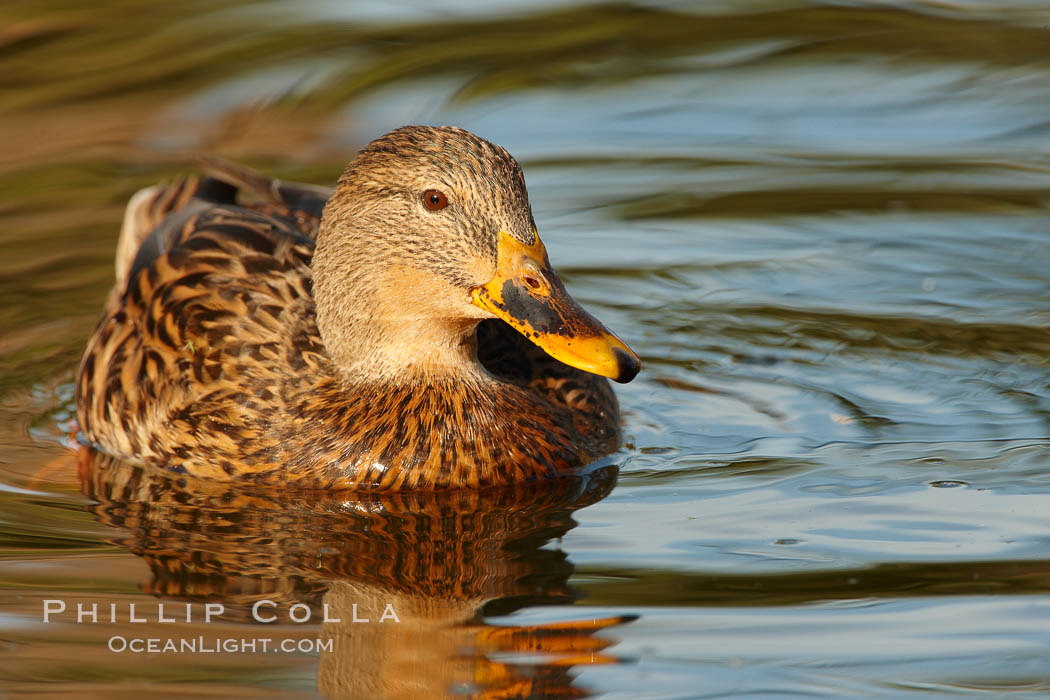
(210, 363)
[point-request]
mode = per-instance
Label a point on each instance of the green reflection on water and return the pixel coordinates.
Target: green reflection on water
(821, 226)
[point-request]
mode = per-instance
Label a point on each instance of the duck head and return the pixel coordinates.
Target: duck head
(428, 232)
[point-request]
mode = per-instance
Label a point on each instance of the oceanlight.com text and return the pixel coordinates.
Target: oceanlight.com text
(216, 645)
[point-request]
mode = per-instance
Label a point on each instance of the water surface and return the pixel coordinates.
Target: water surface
(824, 228)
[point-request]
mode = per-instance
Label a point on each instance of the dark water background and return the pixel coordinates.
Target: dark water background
(823, 226)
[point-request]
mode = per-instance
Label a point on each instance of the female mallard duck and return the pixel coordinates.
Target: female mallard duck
(265, 342)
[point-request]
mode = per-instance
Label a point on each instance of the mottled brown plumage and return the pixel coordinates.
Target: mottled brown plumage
(249, 337)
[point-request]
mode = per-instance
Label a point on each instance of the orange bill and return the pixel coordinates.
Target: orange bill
(527, 294)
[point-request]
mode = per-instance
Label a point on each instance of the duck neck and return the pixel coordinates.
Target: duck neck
(380, 349)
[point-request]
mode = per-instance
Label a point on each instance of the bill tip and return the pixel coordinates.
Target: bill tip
(628, 365)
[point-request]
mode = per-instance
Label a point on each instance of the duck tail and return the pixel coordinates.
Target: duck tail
(289, 196)
(149, 212)
(145, 211)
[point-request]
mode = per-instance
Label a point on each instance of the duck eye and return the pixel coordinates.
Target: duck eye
(434, 200)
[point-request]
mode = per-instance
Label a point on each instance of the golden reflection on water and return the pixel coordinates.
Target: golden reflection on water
(823, 225)
(437, 561)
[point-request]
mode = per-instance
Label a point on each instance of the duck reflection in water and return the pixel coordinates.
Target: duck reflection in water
(441, 560)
